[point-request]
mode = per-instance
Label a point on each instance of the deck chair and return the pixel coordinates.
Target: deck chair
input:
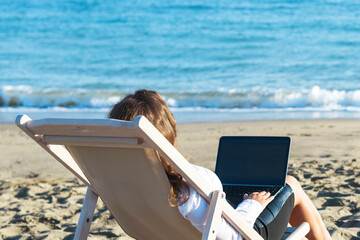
(119, 162)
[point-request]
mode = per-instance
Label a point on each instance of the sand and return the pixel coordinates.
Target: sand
(40, 199)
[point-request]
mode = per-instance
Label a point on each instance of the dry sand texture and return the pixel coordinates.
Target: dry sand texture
(40, 199)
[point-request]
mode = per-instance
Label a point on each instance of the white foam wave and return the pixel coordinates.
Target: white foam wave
(270, 98)
(27, 96)
(254, 98)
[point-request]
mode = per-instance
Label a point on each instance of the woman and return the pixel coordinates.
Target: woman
(292, 205)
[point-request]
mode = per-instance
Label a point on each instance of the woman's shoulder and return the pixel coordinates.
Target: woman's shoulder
(209, 176)
(195, 207)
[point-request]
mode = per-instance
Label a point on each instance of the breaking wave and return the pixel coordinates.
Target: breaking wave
(254, 98)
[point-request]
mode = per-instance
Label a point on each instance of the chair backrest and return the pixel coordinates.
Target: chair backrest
(124, 170)
(133, 185)
(119, 160)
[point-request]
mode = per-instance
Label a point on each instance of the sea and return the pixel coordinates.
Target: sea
(211, 61)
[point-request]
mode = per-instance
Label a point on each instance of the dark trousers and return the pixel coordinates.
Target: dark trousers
(272, 222)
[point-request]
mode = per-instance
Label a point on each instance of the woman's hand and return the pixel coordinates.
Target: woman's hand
(263, 198)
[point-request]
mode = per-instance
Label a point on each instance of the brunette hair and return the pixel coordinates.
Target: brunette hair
(153, 107)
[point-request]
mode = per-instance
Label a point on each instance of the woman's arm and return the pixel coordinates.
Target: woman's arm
(195, 209)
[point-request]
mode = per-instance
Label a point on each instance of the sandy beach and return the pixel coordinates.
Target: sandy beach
(40, 199)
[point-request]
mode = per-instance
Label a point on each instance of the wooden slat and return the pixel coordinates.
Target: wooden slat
(214, 215)
(86, 215)
(299, 232)
(82, 127)
(133, 142)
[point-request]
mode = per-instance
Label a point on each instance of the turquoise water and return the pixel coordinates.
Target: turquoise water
(227, 58)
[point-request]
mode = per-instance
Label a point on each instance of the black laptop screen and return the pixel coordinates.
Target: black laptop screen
(253, 160)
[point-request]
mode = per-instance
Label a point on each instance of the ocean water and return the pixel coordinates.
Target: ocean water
(210, 60)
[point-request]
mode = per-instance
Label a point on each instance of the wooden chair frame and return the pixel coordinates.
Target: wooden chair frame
(78, 134)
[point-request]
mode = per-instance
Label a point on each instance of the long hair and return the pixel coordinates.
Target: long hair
(153, 107)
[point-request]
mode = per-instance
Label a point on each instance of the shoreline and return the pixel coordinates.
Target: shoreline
(324, 156)
(190, 115)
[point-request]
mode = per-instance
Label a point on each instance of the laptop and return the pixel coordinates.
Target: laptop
(252, 164)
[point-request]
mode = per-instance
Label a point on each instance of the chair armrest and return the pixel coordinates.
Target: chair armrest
(299, 232)
(214, 215)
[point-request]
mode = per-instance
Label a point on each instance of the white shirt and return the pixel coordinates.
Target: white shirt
(195, 209)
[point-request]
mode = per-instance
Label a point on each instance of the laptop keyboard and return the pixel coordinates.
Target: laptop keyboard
(235, 193)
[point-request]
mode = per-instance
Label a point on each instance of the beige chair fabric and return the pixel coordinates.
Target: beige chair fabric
(134, 186)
